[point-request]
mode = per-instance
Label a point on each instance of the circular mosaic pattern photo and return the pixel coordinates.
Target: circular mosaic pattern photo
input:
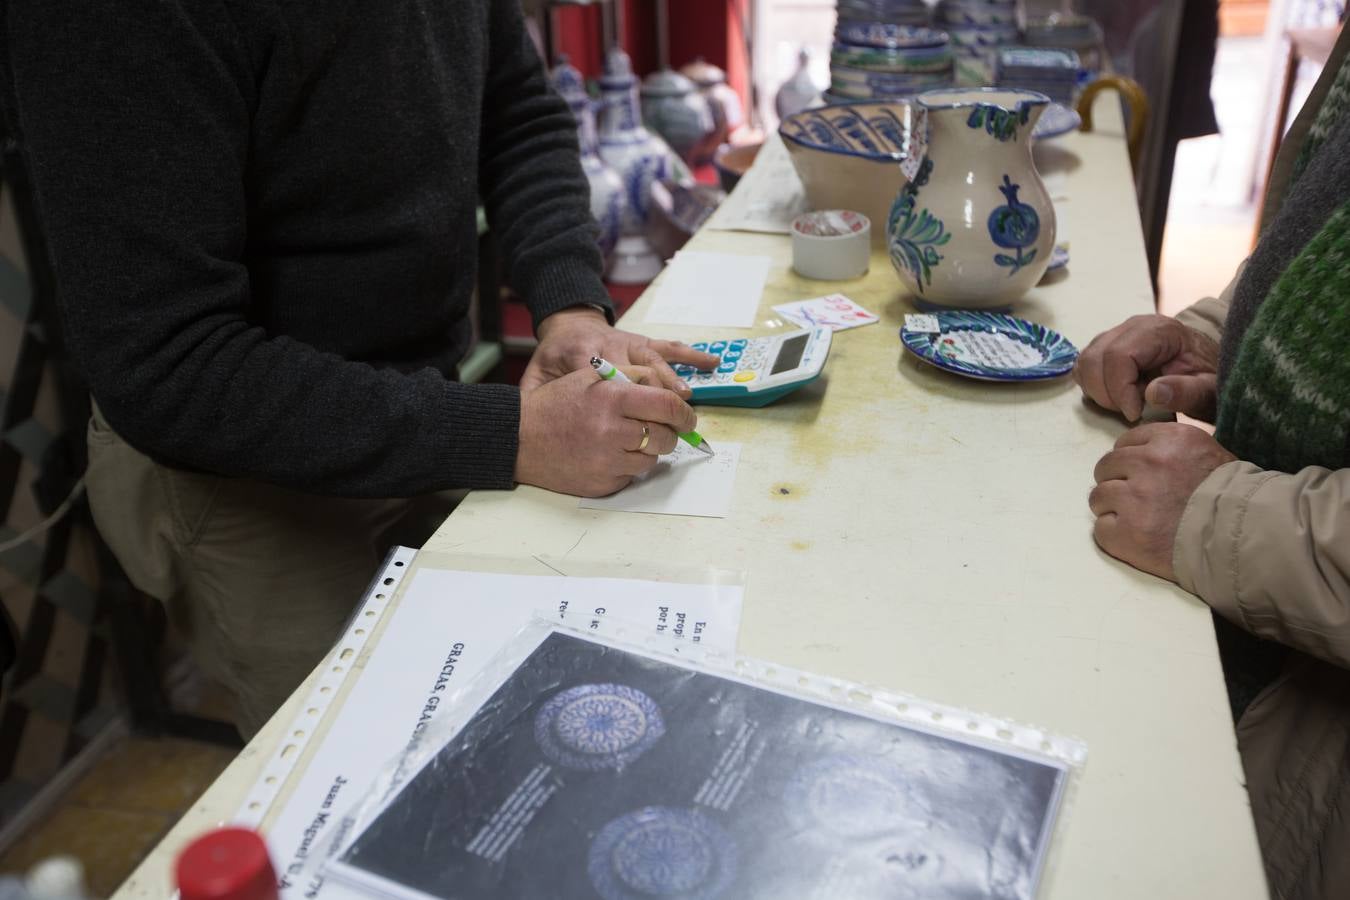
(659, 851)
(854, 796)
(598, 726)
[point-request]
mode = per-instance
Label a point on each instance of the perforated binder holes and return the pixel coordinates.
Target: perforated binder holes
(902, 707)
(313, 710)
(360, 631)
(836, 691)
(803, 681)
(1045, 745)
(337, 668)
(1005, 734)
(860, 696)
(325, 690)
(398, 562)
(371, 612)
(346, 654)
(937, 717)
(288, 751)
(255, 805)
(299, 733)
(270, 779)
(388, 581)
(973, 726)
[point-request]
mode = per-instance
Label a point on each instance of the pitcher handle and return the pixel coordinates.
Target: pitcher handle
(1135, 100)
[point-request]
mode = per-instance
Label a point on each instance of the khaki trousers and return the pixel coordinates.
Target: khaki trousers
(259, 579)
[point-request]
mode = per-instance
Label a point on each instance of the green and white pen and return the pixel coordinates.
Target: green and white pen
(610, 372)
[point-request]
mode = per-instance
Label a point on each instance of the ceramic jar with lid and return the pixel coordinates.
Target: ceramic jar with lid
(673, 107)
(640, 158)
(607, 194)
(725, 104)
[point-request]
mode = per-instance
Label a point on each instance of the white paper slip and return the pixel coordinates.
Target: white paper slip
(718, 290)
(768, 198)
(835, 311)
(447, 626)
(684, 483)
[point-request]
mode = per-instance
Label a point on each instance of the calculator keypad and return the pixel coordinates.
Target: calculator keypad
(743, 360)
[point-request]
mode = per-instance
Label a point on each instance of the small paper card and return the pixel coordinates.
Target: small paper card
(922, 323)
(684, 483)
(835, 311)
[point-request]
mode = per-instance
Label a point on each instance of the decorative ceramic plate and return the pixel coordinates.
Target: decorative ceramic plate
(881, 34)
(598, 726)
(1056, 120)
(988, 346)
(661, 851)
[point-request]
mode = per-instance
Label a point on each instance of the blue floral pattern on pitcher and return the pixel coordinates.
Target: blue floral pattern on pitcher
(915, 235)
(1001, 123)
(1014, 226)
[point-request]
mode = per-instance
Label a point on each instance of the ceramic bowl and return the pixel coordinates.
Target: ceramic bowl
(863, 84)
(848, 156)
(883, 34)
(677, 211)
(878, 59)
(981, 36)
(733, 162)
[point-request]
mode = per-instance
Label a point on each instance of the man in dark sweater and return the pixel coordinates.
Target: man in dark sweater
(262, 219)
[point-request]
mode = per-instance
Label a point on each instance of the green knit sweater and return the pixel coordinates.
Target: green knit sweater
(1284, 402)
(1284, 368)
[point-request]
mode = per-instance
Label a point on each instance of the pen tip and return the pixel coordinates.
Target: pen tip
(706, 448)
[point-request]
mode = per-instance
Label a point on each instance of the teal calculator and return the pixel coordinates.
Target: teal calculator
(757, 371)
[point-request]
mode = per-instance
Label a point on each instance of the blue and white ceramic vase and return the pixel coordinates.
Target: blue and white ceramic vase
(640, 158)
(673, 107)
(607, 194)
(973, 227)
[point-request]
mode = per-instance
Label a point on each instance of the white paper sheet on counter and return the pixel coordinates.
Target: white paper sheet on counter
(446, 627)
(713, 290)
(768, 198)
(684, 483)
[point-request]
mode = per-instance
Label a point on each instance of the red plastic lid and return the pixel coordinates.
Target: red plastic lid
(226, 864)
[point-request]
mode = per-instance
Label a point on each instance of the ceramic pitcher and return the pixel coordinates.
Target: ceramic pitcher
(607, 195)
(974, 227)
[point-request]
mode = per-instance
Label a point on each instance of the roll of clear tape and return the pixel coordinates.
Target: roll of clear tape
(831, 244)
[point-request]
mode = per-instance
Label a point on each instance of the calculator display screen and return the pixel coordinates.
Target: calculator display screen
(790, 353)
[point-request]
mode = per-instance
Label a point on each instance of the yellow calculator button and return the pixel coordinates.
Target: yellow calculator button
(744, 376)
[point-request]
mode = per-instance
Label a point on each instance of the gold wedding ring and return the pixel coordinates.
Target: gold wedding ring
(646, 437)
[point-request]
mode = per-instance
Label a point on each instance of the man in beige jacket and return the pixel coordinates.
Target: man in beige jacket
(1265, 543)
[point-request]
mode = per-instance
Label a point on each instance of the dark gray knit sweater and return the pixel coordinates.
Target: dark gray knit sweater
(262, 218)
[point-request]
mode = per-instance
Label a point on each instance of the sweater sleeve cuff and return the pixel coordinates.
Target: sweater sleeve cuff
(484, 434)
(1210, 534)
(563, 284)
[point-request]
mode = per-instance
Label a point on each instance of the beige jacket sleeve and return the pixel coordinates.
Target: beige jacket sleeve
(1271, 552)
(1207, 316)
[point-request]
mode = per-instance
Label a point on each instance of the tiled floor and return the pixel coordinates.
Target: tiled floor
(121, 808)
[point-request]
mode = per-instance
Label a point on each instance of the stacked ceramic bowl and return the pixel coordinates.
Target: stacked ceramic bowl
(1070, 32)
(884, 61)
(978, 28)
(893, 12)
(1052, 71)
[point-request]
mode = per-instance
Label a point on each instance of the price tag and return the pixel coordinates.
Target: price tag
(923, 324)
